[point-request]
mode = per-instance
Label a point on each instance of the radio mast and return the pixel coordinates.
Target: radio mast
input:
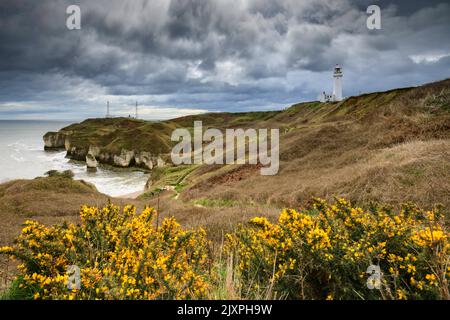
(136, 110)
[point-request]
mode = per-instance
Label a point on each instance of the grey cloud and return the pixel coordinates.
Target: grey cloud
(231, 55)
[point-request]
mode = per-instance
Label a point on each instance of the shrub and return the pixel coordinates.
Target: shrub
(325, 253)
(121, 255)
(64, 174)
(320, 253)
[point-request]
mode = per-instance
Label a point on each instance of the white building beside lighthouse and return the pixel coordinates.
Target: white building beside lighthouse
(337, 87)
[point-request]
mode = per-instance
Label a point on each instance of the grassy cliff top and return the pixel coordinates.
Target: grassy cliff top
(388, 147)
(49, 199)
(115, 134)
(391, 146)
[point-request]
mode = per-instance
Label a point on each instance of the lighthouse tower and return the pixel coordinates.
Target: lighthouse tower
(337, 85)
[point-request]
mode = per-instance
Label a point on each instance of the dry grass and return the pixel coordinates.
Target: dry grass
(388, 147)
(49, 200)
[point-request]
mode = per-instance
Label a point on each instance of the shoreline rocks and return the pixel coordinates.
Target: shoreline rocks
(91, 162)
(54, 140)
(94, 155)
(149, 183)
(144, 159)
(124, 159)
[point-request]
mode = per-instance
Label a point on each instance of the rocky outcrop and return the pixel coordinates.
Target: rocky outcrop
(94, 150)
(54, 140)
(124, 159)
(160, 162)
(149, 183)
(91, 162)
(147, 160)
(93, 155)
(77, 153)
(67, 144)
(144, 159)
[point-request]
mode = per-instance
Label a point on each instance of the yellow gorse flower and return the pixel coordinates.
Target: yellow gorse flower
(121, 255)
(322, 252)
(333, 245)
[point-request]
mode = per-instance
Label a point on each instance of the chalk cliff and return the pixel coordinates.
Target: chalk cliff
(120, 142)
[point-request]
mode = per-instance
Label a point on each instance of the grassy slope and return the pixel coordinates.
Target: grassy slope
(47, 199)
(115, 134)
(390, 147)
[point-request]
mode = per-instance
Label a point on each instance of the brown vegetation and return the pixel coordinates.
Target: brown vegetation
(388, 147)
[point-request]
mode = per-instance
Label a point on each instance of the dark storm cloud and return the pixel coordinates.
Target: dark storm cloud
(230, 55)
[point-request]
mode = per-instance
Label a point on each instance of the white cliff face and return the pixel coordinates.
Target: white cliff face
(148, 160)
(160, 162)
(54, 140)
(67, 145)
(149, 183)
(91, 162)
(144, 159)
(94, 150)
(124, 159)
(95, 155)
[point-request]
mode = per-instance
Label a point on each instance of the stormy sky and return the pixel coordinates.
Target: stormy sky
(179, 57)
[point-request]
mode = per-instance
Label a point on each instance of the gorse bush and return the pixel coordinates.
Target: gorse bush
(320, 253)
(64, 174)
(121, 255)
(325, 253)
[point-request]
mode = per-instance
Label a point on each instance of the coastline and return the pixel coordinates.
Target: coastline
(132, 195)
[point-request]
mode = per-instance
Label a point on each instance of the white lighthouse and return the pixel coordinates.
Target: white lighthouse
(337, 84)
(337, 87)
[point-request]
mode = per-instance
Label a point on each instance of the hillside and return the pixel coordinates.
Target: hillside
(389, 147)
(48, 199)
(386, 147)
(128, 142)
(54, 198)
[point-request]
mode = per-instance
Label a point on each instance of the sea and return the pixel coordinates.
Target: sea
(22, 156)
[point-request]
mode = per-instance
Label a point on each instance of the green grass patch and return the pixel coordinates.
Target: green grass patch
(171, 176)
(16, 292)
(60, 181)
